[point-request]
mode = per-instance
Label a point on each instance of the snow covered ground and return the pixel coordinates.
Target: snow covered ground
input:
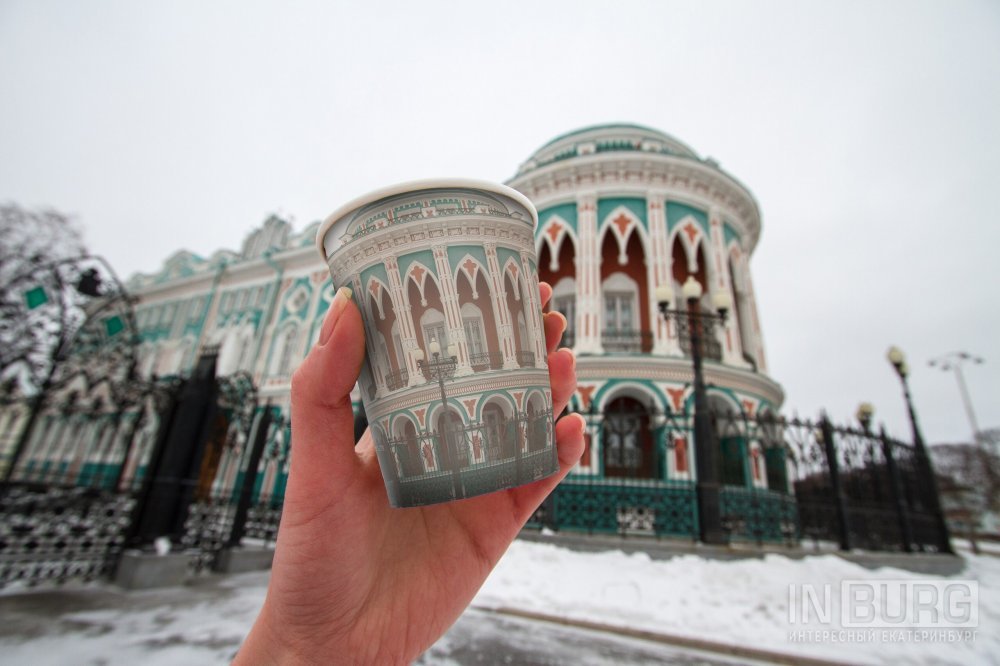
(742, 602)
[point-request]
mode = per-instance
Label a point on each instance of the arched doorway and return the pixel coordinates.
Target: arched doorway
(732, 441)
(450, 435)
(408, 450)
(628, 442)
(500, 431)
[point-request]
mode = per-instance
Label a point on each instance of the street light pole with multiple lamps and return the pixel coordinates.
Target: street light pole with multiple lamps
(699, 327)
(440, 370)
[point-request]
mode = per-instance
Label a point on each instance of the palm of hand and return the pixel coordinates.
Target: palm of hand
(353, 579)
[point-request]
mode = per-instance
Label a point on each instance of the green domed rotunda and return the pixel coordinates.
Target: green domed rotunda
(624, 210)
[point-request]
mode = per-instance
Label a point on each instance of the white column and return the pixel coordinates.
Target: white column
(720, 281)
(452, 310)
(658, 263)
(404, 317)
(501, 311)
(588, 278)
(533, 309)
(758, 341)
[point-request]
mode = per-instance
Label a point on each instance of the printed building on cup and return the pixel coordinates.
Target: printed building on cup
(623, 210)
(456, 380)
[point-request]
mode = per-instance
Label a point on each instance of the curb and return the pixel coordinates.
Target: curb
(725, 649)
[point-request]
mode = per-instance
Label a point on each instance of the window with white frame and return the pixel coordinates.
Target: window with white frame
(286, 351)
(620, 303)
(472, 322)
(564, 301)
(433, 326)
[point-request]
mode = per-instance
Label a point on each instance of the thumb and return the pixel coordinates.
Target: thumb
(322, 416)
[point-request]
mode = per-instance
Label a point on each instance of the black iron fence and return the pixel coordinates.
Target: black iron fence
(202, 463)
(73, 495)
(461, 459)
(197, 461)
(779, 481)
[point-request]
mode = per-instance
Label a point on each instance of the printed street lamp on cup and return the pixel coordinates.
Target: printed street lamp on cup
(699, 327)
(898, 361)
(441, 369)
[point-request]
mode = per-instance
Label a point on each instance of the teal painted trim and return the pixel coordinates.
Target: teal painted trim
(509, 398)
(376, 271)
(678, 211)
(613, 384)
(635, 205)
(714, 389)
(258, 484)
(300, 312)
(505, 253)
(425, 257)
(237, 486)
(566, 211)
(457, 253)
(590, 128)
(729, 234)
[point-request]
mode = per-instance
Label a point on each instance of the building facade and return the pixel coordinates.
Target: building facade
(623, 210)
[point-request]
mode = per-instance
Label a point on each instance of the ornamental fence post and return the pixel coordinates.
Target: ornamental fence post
(250, 477)
(896, 488)
(840, 502)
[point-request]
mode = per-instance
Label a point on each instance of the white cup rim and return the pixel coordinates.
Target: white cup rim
(417, 185)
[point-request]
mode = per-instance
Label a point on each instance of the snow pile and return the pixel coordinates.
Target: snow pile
(743, 602)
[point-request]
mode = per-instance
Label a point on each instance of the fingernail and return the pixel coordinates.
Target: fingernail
(333, 314)
(583, 424)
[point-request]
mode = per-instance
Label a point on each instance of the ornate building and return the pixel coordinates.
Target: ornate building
(624, 209)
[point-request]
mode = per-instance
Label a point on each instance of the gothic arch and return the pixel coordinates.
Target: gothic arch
(552, 235)
(622, 223)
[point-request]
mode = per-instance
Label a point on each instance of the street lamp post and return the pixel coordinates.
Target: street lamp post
(898, 361)
(954, 361)
(864, 416)
(440, 370)
(696, 324)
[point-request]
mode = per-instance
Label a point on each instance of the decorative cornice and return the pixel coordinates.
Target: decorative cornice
(618, 173)
(392, 241)
(677, 370)
(457, 388)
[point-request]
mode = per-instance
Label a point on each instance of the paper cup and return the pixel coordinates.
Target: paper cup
(455, 381)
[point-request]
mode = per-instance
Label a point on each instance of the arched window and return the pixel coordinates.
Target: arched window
(564, 301)
(472, 323)
(281, 364)
(621, 314)
(245, 362)
(433, 326)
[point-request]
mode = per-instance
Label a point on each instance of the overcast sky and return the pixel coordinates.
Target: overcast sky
(868, 131)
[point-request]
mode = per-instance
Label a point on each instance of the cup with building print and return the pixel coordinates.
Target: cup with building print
(455, 380)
